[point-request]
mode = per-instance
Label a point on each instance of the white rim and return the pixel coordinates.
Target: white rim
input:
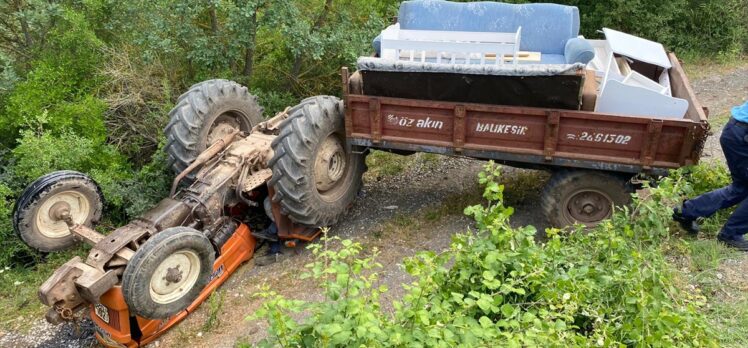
(175, 276)
(52, 226)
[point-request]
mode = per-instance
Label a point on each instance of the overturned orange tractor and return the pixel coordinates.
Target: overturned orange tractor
(235, 173)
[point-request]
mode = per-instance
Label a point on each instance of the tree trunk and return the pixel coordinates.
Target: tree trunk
(298, 58)
(16, 7)
(250, 50)
(26, 33)
(213, 19)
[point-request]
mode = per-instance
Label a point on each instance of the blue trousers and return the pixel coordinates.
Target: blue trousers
(734, 141)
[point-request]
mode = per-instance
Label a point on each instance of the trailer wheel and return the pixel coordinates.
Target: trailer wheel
(315, 175)
(203, 115)
(39, 214)
(168, 272)
(585, 197)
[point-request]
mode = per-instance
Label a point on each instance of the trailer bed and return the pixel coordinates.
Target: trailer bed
(528, 136)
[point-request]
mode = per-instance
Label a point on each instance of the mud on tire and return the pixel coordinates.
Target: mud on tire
(168, 272)
(203, 115)
(315, 175)
(36, 215)
(582, 196)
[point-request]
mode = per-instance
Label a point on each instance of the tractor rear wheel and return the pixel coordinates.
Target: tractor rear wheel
(315, 175)
(584, 197)
(41, 210)
(203, 115)
(168, 272)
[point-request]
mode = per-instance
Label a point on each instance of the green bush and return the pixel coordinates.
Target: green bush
(702, 27)
(127, 192)
(497, 287)
(60, 84)
(39, 154)
(11, 247)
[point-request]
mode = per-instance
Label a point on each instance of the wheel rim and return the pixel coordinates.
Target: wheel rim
(588, 206)
(175, 276)
(330, 167)
(224, 124)
(49, 219)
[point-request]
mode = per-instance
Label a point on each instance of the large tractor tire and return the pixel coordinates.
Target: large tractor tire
(203, 115)
(316, 176)
(168, 272)
(583, 197)
(38, 217)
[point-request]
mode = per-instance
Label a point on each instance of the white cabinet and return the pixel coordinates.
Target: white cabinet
(452, 47)
(627, 92)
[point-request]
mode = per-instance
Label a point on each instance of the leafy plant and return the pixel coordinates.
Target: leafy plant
(609, 286)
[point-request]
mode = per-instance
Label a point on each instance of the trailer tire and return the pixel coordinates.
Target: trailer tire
(168, 272)
(315, 175)
(202, 115)
(582, 196)
(37, 213)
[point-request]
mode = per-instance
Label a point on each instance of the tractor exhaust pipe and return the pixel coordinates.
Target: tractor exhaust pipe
(206, 155)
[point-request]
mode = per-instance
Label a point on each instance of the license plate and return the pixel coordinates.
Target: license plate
(102, 312)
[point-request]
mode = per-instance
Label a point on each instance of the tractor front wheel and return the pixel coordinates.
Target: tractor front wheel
(168, 272)
(44, 206)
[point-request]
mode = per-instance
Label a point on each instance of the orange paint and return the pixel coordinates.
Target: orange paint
(117, 333)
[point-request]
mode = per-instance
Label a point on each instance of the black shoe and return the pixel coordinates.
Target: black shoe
(737, 243)
(269, 259)
(688, 225)
(265, 234)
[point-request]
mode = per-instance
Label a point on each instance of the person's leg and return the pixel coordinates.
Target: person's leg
(737, 225)
(709, 203)
(737, 159)
(736, 154)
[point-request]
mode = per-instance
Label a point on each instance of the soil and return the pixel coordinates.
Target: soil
(392, 215)
(719, 93)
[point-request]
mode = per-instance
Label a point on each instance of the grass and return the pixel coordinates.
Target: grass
(386, 164)
(699, 66)
(19, 302)
(716, 272)
(215, 305)
(731, 322)
(718, 121)
(451, 207)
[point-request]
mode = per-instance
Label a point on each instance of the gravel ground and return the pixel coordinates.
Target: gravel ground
(720, 93)
(45, 335)
(399, 198)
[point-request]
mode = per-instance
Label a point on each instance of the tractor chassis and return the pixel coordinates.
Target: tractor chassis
(233, 167)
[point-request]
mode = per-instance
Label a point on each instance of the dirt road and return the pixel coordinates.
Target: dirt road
(418, 208)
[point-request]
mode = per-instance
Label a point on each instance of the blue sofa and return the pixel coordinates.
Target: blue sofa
(551, 29)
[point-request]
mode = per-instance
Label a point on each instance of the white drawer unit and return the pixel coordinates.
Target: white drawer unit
(451, 47)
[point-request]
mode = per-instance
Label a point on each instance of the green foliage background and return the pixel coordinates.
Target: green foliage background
(87, 84)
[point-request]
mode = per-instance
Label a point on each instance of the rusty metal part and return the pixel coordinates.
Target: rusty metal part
(588, 206)
(356, 84)
(116, 242)
(232, 166)
(167, 213)
(206, 155)
(173, 275)
(271, 126)
(95, 238)
(223, 125)
(256, 180)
